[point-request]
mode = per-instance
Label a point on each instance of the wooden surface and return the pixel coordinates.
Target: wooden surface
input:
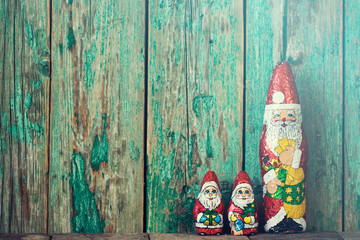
(101, 236)
(96, 168)
(24, 237)
(352, 116)
(72, 127)
(298, 236)
(24, 115)
(165, 236)
(349, 235)
(315, 55)
(195, 105)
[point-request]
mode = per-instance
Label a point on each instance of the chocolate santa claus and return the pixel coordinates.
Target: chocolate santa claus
(242, 211)
(283, 155)
(209, 207)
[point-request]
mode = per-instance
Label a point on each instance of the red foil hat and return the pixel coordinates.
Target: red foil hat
(282, 88)
(210, 176)
(242, 177)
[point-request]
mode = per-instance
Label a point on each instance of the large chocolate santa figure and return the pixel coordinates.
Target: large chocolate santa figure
(283, 155)
(242, 211)
(209, 207)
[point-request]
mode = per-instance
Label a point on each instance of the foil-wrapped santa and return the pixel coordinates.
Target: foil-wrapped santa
(209, 207)
(242, 210)
(283, 155)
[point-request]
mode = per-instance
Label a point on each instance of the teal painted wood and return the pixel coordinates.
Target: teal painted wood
(96, 168)
(195, 105)
(314, 50)
(352, 115)
(264, 48)
(24, 116)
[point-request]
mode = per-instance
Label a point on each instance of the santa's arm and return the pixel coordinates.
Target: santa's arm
(197, 213)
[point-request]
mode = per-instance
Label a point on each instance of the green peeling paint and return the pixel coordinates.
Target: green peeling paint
(202, 103)
(89, 57)
(100, 150)
(209, 150)
(86, 216)
(61, 48)
(70, 2)
(70, 39)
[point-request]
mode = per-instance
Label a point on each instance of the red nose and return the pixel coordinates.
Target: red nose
(283, 119)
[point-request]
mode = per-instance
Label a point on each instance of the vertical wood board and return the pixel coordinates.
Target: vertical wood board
(352, 115)
(24, 116)
(96, 173)
(314, 51)
(195, 105)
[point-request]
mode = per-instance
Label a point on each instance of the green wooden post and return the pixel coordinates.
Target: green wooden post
(352, 116)
(195, 105)
(264, 48)
(96, 168)
(24, 116)
(314, 50)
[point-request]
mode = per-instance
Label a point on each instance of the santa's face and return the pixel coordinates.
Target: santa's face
(244, 193)
(284, 117)
(210, 192)
(242, 196)
(210, 197)
(280, 124)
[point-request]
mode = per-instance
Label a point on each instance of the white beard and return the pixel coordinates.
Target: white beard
(210, 204)
(275, 132)
(239, 202)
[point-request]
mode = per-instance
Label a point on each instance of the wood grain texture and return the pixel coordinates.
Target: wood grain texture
(96, 170)
(100, 236)
(195, 105)
(298, 236)
(352, 116)
(314, 51)
(24, 116)
(24, 237)
(264, 48)
(349, 235)
(165, 236)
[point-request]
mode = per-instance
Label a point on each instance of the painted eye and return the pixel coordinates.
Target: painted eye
(240, 192)
(247, 192)
(213, 191)
(207, 191)
(291, 114)
(276, 114)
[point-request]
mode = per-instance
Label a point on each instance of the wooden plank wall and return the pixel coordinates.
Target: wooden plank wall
(88, 86)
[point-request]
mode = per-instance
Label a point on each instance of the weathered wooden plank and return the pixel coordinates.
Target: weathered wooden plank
(107, 236)
(24, 237)
(195, 105)
(315, 54)
(264, 48)
(349, 235)
(96, 173)
(165, 236)
(24, 116)
(351, 116)
(298, 236)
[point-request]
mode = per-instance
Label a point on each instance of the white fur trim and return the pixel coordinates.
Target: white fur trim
(222, 219)
(270, 175)
(283, 106)
(251, 225)
(199, 216)
(252, 220)
(275, 219)
(201, 225)
(301, 221)
(296, 159)
(229, 215)
(264, 190)
(278, 97)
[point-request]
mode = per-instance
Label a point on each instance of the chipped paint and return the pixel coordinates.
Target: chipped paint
(86, 216)
(70, 38)
(100, 150)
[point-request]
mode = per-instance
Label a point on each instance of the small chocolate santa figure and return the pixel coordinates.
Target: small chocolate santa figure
(283, 155)
(209, 207)
(242, 211)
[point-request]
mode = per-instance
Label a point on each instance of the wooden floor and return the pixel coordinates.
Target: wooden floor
(166, 236)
